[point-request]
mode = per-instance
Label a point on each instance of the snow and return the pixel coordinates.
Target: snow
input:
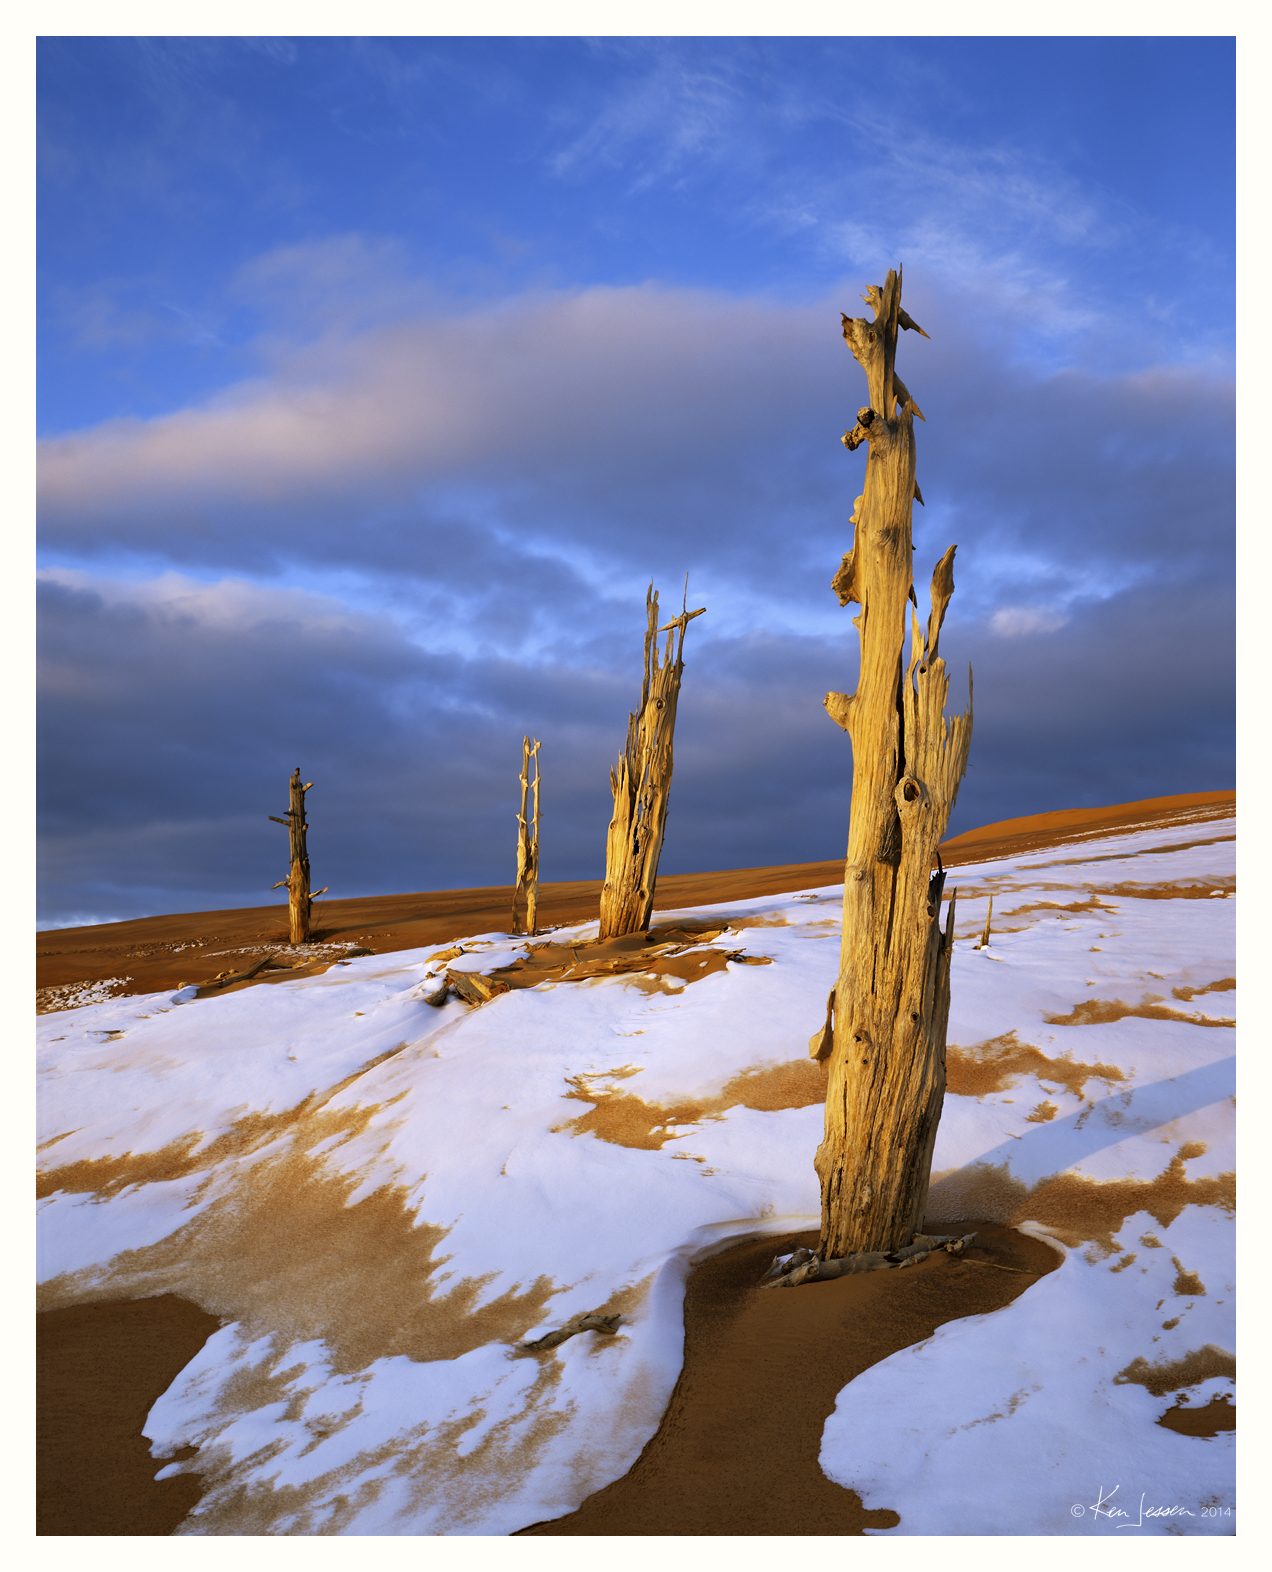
(383, 1200)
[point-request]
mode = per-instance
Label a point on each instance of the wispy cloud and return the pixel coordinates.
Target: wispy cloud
(615, 431)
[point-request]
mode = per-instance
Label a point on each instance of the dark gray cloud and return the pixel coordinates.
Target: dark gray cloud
(171, 719)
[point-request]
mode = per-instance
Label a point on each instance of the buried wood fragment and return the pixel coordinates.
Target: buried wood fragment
(782, 1264)
(224, 979)
(473, 988)
(805, 1267)
(607, 1324)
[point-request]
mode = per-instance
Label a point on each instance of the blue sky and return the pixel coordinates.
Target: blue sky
(378, 378)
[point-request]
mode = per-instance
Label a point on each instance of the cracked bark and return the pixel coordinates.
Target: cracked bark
(528, 842)
(641, 781)
(885, 1036)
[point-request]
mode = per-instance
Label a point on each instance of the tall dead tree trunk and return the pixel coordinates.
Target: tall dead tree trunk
(885, 1036)
(641, 781)
(528, 842)
(297, 881)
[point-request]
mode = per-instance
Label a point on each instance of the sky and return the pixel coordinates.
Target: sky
(379, 377)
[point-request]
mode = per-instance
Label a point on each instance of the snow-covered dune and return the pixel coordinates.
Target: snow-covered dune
(383, 1200)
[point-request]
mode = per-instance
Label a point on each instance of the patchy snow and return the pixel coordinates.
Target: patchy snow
(382, 1200)
(73, 996)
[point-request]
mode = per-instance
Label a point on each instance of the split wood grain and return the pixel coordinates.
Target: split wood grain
(527, 885)
(641, 781)
(887, 1016)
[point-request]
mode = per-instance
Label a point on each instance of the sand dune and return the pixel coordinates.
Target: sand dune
(377, 1201)
(147, 954)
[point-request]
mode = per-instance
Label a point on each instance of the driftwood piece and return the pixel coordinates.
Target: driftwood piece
(804, 1266)
(528, 843)
(299, 900)
(641, 780)
(224, 979)
(607, 1324)
(886, 1060)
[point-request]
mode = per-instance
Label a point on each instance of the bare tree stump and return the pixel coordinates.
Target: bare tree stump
(528, 843)
(891, 1002)
(300, 901)
(641, 781)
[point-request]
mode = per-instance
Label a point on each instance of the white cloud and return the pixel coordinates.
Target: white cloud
(1014, 622)
(564, 376)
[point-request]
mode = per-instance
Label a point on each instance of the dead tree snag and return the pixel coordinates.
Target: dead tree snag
(528, 842)
(885, 1035)
(300, 901)
(641, 781)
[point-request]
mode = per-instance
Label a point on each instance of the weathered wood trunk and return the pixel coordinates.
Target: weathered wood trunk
(528, 843)
(300, 902)
(641, 782)
(885, 1036)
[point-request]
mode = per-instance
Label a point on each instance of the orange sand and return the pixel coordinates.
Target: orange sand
(145, 949)
(736, 1452)
(748, 1373)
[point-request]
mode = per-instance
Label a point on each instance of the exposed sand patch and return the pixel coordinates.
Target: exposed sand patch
(737, 1450)
(1124, 856)
(284, 1254)
(1224, 985)
(1094, 904)
(1103, 1012)
(1186, 1283)
(195, 1153)
(992, 1066)
(1203, 1364)
(1076, 1209)
(645, 960)
(626, 1120)
(99, 1369)
(1195, 890)
(1220, 1413)
(419, 1467)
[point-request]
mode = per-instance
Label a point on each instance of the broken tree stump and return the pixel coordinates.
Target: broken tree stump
(528, 843)
(641, 781)
(885, 1043)
(300, 901)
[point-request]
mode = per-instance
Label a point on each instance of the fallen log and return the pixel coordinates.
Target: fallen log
(607, 1324)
